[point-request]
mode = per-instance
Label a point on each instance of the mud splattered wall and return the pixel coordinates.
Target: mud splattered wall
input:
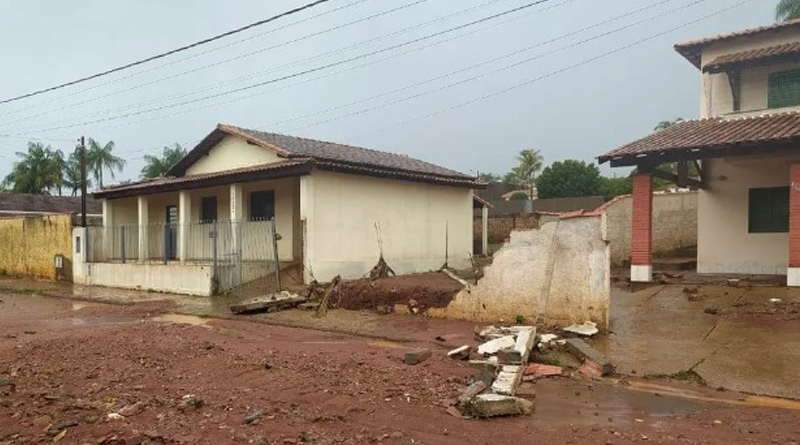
(28, 245)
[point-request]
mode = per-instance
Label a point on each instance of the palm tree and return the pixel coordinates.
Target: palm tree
(39, 171)
(159, 165)
(100, 158)
(530, 162)
(72, 173)
(787, 10)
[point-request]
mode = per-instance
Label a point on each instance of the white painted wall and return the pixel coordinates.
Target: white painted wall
(716, 98)
(340, 212)
(724, 244)
(232, 152)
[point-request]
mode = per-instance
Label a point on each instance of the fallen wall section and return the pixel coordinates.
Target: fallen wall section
(558, 273)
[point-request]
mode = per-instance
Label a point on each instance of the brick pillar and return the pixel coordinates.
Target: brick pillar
(642, 229)
(793, 273)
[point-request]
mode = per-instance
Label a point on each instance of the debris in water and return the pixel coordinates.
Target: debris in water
(587, 328)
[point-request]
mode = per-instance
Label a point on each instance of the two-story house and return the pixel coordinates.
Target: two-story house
(743, 155)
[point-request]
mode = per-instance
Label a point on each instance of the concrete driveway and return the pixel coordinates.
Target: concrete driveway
(732, 337)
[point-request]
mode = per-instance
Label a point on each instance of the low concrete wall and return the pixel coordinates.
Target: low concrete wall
(559, 273)
(501, 226)
(28, 246)
(174, 278)
(674, 224)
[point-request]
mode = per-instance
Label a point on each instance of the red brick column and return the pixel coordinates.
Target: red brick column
(642, 230)
(793, 274)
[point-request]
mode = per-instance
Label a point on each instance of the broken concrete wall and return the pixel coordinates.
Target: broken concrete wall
(674, 224)
(559, 273)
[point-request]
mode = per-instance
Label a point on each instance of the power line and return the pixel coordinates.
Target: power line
(217, 63)
(305, 72)
(167, 53)
(559, 71)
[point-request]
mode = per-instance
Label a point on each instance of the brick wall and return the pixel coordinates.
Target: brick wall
(794, 216)
(500, 227)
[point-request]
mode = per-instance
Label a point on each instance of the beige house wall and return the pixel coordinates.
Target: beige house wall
(724, 244)
(674, 224)
(716, 98)
(417, 222)
(232, 152)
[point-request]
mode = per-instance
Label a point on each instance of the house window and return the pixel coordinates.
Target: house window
(262, 205)
(208, 209)
(768, 210)
(784, 89)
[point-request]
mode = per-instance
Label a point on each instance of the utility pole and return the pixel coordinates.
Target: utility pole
(82, 148)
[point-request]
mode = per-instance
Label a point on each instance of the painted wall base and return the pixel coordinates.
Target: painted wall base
(641, 274)
(793, 276)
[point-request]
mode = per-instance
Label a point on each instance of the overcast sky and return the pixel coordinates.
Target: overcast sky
(577, 112)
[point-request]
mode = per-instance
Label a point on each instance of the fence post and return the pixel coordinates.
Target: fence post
(122, 242)
(275, 253)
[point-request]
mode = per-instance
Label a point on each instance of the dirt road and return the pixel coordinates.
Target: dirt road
(74, 373)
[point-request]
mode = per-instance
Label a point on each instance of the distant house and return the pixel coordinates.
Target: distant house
(24, 204)
(208, 223)
(746, 148)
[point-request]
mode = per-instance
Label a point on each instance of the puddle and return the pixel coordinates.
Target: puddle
(734, 399)
(100, 321)
(193, 320)
(78, 305)
(387, 344)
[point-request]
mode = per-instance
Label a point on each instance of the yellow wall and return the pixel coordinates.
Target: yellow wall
(232, 152)
(29, 245)
(724, 244)
(716, 98)
(340, 212)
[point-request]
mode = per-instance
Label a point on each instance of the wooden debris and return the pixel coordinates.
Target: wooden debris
(283, 300)
(322, 310)
(381, 270)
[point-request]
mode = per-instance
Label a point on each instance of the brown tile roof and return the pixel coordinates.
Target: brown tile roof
(788, 52)
(293, 167)
(749, 133)
(291, 147)
(692, 50)
(23, 203)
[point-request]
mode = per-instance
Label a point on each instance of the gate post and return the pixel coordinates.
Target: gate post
(275, 255)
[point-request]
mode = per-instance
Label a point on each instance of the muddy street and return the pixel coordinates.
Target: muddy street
(75, 373)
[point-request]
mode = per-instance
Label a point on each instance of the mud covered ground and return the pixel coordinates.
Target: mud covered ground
(433, 289)
(75, 373)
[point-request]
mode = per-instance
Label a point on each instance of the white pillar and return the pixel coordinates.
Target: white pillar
(184, 224)
(485, 230)
(144, 220)
(108, 233)
(237, 210)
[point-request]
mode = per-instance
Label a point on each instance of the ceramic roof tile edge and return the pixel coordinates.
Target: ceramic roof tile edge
(784, 51)
(690, 49)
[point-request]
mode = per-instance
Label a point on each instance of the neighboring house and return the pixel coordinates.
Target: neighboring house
(746, 148)
(25, 204)
(334, 206)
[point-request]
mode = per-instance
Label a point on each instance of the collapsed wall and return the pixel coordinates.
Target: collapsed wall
(558, 274)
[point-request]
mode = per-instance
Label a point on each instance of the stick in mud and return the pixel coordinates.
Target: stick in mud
(322, 310)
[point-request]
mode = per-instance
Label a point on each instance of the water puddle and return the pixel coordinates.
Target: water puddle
(734, 399)
(78, 305)
(387, 344)
(100, 321)
(193, 320)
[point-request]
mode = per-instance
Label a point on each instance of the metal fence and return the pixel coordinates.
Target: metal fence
(239, 252)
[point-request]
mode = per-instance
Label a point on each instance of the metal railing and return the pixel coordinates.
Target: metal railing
(239, 251)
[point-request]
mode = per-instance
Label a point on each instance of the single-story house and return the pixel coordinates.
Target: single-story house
(27, 204)
(743, 155)
(335, 208)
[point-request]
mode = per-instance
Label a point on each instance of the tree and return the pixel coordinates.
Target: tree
(613, 187)
(530, 162)
(39, 171)
(72, 173)
(787, 10)
(100, 158)
(666, 124)
(514, 178)
(519, 196)
(570, 178)
(159, 165)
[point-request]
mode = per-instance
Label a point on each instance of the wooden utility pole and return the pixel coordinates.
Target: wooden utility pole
(82, 148)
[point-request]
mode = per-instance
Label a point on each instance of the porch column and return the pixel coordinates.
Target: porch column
(642, 229)
(485, 230)
(237, 203)
(793, 273)
(184, 224)
(108, 232)
(144, 220)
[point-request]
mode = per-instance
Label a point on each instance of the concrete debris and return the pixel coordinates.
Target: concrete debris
(775, 300)
(587, 328)
(488, 361)
(494, 405)
(581, 350)
(547, 341)
(590, 369)
(493, 332)
(461, 353)
(541, 370)
(491, 347)
(115, 416)
(280, 301)
(507, 380)
(472, 390)
(417, 356)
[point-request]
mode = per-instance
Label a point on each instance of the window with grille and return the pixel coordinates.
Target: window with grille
(768, 210)
(208, 209)
(262, 205)
(784, 89)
